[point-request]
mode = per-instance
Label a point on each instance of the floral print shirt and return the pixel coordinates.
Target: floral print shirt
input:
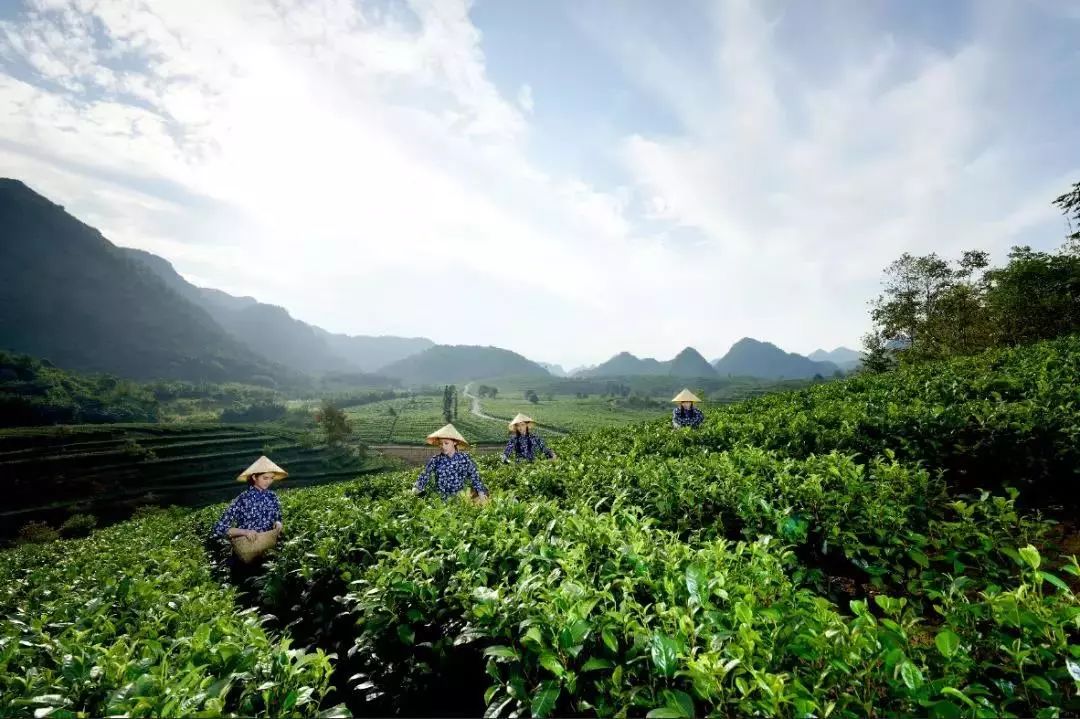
(526, 446)
(255, 509)
(692, 417)
(451, 474)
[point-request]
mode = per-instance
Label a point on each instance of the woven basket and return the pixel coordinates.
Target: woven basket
(248, 549)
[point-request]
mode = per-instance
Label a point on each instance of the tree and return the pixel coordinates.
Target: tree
(453, 397)
(1070, 207)
(933, 308)
(877, 356)
(448, 403)
(531, 395)
(334, 423)
(1036, 296)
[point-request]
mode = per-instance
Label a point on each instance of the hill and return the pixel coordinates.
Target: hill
(824, 552)
(268, 328)
(461, 363)
(752, 358)
(844, 358)
(688, 363)
(69, 295)
(554, 369)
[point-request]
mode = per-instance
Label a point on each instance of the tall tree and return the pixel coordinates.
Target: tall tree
(334, 422)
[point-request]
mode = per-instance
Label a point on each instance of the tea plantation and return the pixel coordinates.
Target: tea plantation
(880, 546)
(50, 473)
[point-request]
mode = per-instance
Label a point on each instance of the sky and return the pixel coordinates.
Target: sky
(564, 179)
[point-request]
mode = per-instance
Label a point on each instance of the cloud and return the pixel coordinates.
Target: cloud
(357, 163)
(525, 98)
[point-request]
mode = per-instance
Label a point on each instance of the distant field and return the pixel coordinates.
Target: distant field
(107, 470)
(569, 414)
(717, 389)
(416, 418)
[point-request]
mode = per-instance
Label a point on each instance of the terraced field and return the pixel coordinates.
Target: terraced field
(569, 414)
(50, 473)
(414, 418)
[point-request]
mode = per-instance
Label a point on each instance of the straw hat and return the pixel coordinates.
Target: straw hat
(262, 465)
(521, 419)
(447, 432)
(686, 396)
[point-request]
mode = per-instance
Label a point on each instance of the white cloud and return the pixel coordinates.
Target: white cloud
(525, 98)
(356, 164)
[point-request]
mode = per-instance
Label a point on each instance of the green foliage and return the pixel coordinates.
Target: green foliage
(132, 622)
(34, 392)
(37, 533)
(78, 525)
(334, 423)
(265, 411)
(820, 553)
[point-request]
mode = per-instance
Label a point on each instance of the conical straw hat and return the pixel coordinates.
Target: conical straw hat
(261, 465)
(447, 432)
(521, 419)
(686, 396)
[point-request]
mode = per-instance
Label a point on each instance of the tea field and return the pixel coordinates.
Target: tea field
(895, 545)
(409, 420)
(570, 414)
(52, 473)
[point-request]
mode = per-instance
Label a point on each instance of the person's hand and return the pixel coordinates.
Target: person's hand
(554, 456)
(277, 526)
(251, 533)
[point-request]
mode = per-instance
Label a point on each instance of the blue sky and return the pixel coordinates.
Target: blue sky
(564, 179)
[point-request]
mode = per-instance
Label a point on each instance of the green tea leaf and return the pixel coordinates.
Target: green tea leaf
(913, 678)
(1031, 555)
(947, 642)
(544, 699)
(597, 663)
(665, 654)
(666, 713)
(500, 651)
(551, 662)
(1074, 669)
(1056, 581)
(696, 581)
(406, 634)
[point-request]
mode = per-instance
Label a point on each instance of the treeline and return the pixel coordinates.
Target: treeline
(34, 392)
(935, 308)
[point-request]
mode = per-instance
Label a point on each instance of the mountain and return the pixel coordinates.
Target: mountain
(271, 331)
(69, 295)
(624, 364)
(554, 369)
(842, 357)
(688, 363)
(580, 371)
(752, 358)
(461, 363)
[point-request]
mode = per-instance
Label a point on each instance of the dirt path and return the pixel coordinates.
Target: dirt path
(474, 408)
(474, 405)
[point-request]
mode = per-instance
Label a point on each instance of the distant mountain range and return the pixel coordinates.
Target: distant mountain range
(69, 295)
(746, 358)
(461, 363)
(844, 358)
(752, 358)
(270, 329)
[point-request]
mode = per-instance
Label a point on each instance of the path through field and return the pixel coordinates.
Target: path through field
(474, 406)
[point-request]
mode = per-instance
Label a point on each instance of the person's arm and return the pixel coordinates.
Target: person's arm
(675, 418)
(474, 477)
(508, 450)
(224, 526)
(276, 514)
(425, 476)
(544, 448)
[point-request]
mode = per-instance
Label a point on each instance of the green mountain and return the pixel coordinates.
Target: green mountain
(69, 295)
(688, 363)
(842, 357)
(752, 358)
(269, 328)
(461, 363)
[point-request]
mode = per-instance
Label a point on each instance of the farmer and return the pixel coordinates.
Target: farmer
(686, 414)
(253, 520)
(524, 444)
(452, 468)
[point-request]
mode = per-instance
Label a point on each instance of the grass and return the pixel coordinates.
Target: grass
(415, 418)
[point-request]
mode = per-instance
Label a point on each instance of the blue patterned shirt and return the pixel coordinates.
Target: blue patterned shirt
(255, 509)
(525, 446)
(692, 417)
(451, 474)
